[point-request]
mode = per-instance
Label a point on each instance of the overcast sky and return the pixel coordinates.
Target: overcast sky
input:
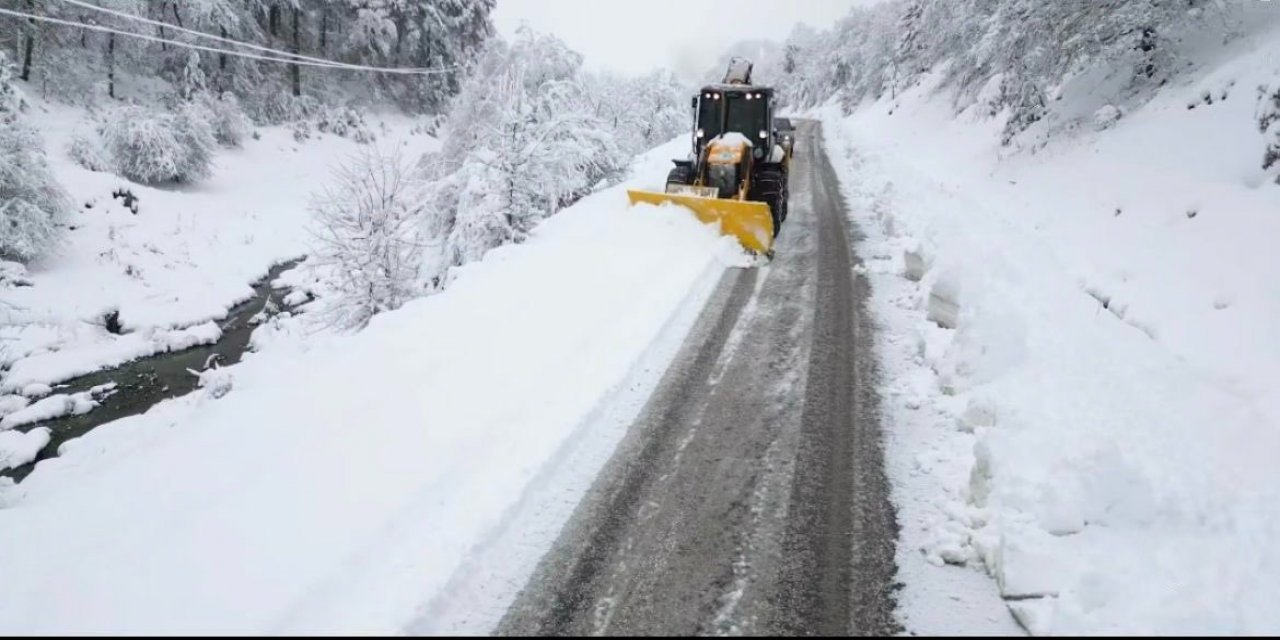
(687, 36)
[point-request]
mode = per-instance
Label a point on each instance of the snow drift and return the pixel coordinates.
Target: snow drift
(1081, 354)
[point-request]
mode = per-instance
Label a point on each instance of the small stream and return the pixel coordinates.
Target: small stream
(142, 383)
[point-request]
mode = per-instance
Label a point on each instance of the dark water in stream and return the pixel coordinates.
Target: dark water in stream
(142, 383)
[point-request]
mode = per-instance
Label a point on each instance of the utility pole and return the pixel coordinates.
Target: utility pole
(297, 48)
(31, 41)
(111, 65)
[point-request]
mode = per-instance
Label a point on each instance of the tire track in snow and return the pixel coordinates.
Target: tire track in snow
(750, 495)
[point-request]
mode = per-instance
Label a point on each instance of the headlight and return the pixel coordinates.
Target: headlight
(701, 133)
(764, 135)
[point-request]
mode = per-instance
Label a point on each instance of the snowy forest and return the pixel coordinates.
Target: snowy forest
(1016, 58)
(75, 50)
(163, 96)
(523, 114)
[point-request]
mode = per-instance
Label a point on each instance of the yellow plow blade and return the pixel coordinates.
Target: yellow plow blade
(749, 222)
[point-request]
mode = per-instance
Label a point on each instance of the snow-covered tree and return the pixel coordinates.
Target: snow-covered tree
(31, 200)
(155, 146)
(193, 80)
(1012, 55)
(1269, 124)
(907, 55)
(481, 218)
(86, 149)
(227, 120)
(524, 127)
(433, 34)
(663, 102)
(642, 112)
(11, 98)
(797, 76)
(368, 223)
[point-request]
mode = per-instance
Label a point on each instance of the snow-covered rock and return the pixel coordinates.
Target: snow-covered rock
(36, 390)
(1106, 117)
(54, 406)
(11, 403)
(216, 382)
(18, 448)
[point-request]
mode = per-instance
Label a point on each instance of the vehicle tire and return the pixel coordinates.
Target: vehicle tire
(725, 179)
(680, 175)
(770, 187)
(786, 193)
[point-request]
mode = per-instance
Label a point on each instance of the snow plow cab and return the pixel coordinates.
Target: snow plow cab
(736, 174)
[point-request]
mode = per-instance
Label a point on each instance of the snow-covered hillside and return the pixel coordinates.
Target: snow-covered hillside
(344, 478)
(186, 256)
(1080, 351)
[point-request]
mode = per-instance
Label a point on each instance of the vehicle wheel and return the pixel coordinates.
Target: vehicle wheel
(770, 188)
(786, 195)
(680, 175)
(724, 178)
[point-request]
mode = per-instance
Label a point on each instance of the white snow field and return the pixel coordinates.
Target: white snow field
(336, 484)
(1080, 357)
(186, 257)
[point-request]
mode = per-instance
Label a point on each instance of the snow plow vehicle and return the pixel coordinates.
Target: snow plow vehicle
(736, 174)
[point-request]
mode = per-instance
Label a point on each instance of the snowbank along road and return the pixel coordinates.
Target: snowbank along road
(750, 496)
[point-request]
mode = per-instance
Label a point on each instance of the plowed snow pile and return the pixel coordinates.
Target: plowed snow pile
(1081, 356)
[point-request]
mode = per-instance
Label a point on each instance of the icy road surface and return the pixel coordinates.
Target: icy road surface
(750, 496)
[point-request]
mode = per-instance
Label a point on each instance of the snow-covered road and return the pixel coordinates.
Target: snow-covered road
(750, 492)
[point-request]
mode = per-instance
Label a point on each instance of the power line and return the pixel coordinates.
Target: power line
(102, 29)
(240, 54)
(201, 34)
